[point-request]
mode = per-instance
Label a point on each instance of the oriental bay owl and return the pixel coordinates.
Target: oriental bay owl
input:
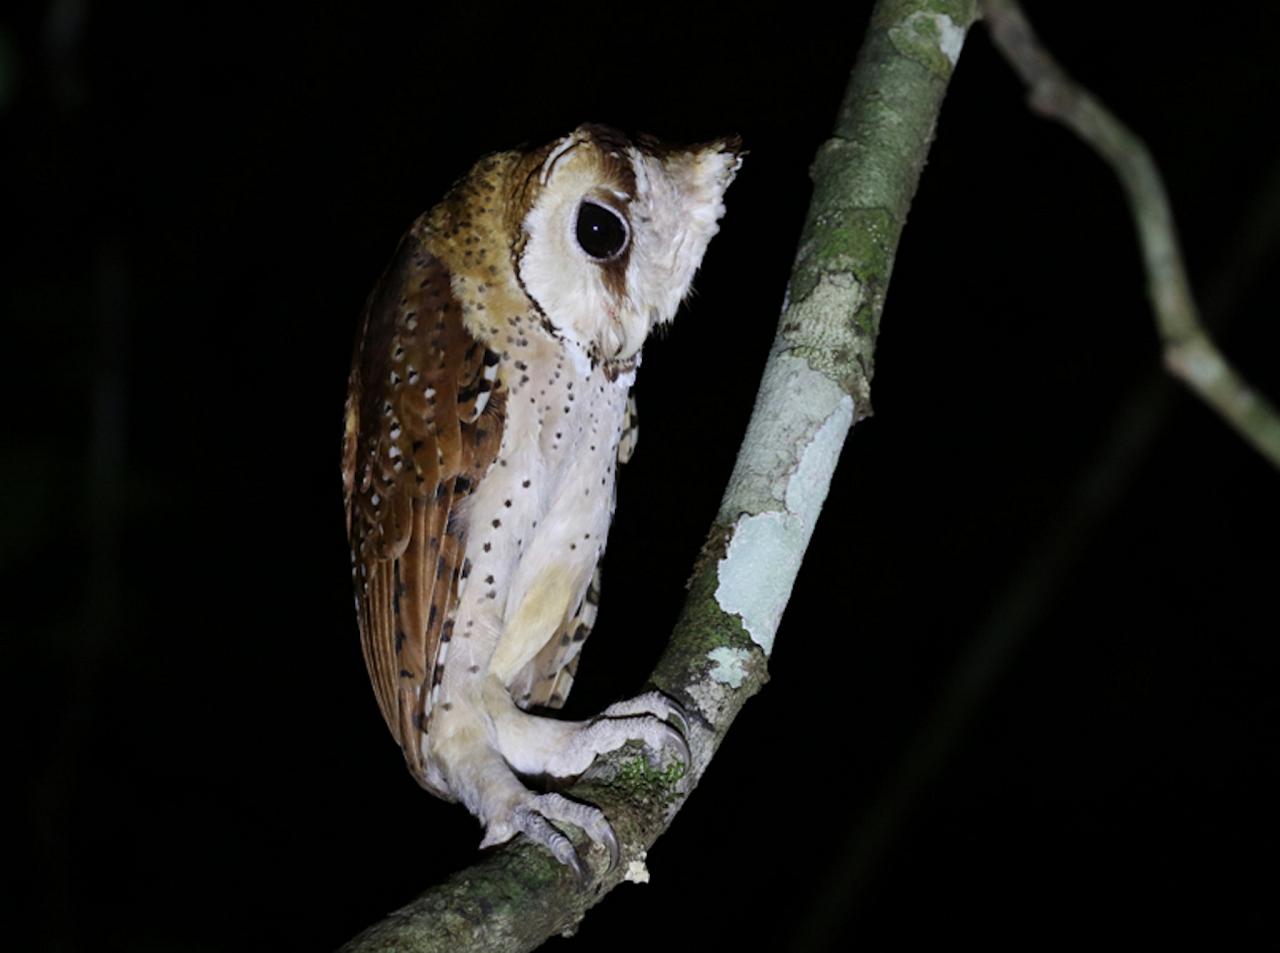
(487, 412)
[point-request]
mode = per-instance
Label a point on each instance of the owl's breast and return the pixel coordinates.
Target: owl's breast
(555, 475)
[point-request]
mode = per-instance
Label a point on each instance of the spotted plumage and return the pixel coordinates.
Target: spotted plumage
(489, 408)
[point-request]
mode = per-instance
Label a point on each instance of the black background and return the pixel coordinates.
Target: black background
(1025, 687)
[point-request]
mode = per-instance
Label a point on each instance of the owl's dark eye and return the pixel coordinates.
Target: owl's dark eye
(601, 232)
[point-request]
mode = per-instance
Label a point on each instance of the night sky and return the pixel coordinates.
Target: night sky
(1026, 685)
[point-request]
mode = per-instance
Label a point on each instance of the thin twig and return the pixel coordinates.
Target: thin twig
(1189, 353)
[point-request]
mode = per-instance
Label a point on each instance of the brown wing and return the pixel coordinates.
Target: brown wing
(424, 424)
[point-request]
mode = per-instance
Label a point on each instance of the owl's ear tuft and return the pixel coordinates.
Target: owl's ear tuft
(703, 173)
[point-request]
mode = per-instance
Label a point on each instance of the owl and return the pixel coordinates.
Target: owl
(487, 413)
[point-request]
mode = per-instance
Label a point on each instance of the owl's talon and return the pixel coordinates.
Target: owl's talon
(681, 722)
(672, 741)
(653, 703)
(669, 713)
(534, 819)
(610, 841)
(539, 830)
(682, 749)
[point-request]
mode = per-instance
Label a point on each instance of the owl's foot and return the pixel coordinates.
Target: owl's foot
(652, 719)
(532, 815)
(535, 745)
(657, 704)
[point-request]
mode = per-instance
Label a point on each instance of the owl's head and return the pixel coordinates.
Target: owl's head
(612, 231)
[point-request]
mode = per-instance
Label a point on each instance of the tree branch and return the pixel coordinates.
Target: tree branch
(1188, 351)
(816, 382)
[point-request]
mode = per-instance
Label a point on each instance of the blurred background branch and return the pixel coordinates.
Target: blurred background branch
(1189, 353)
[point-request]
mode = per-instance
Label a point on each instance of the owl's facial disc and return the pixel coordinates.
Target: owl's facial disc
(615, 234)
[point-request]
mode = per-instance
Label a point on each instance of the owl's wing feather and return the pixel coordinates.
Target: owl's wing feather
(424, 424)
